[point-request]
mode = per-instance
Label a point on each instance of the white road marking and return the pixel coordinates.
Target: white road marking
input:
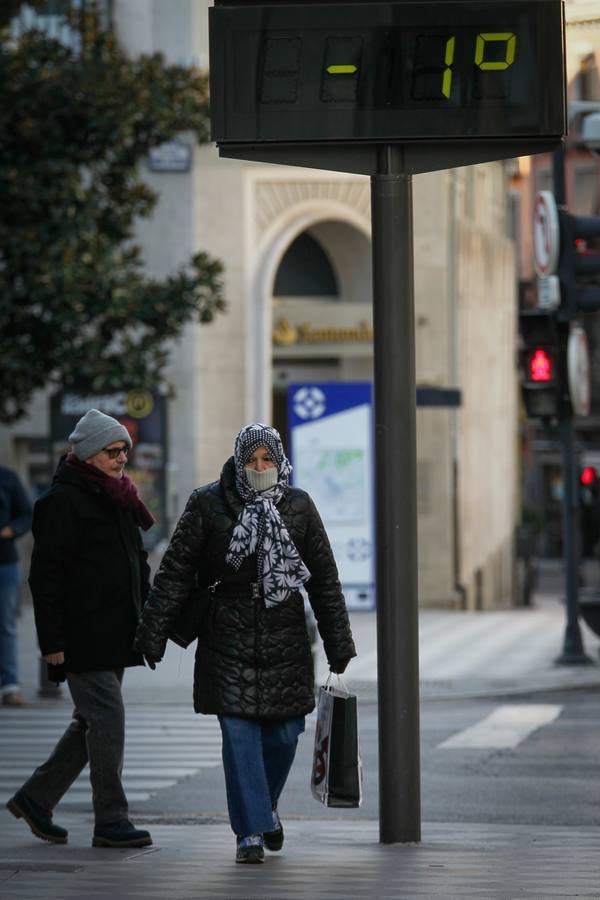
(506, 727)
(162, 746)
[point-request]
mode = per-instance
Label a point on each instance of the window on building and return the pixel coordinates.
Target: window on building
(51, 18)
(586, 194)
(305, 271)
(513, 220)
(543, 180)
(588, 78)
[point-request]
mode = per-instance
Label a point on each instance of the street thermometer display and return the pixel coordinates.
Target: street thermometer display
(400, 71)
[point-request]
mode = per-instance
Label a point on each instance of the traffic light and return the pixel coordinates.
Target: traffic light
(588, 478)
(543, 364)
(578, 264)
(589, 496)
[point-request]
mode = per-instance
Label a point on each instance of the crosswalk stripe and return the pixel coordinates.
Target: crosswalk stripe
(12, 772)
(35, 737)
(504, 728)
(457, 637)
(472, 656)
(536, 651)
(162, 746)
(74, 796)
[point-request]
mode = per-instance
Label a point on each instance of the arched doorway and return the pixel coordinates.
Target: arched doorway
(321, 311)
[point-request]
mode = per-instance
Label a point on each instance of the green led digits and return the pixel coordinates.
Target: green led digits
(449, 59)
(445, 68)
(501, 37)
(437, 59)
(342, 70)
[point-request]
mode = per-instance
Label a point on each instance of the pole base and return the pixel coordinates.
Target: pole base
(574, 659)
(573, 653)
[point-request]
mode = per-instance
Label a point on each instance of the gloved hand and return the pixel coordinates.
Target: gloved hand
(151, 661)
(339, 665)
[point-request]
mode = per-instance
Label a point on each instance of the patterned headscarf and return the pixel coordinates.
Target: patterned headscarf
(259, 528)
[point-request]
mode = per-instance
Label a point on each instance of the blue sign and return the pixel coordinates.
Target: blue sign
(331, 448)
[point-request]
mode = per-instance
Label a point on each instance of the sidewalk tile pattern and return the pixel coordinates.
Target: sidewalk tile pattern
(320, 861)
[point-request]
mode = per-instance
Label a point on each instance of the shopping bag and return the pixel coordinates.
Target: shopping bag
(336, 778)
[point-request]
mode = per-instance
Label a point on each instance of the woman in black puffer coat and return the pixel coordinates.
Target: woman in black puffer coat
(252, 542)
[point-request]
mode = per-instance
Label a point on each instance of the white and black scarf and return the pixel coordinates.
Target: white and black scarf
(259, 528)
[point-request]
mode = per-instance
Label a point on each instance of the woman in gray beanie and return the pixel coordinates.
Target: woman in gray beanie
(252, 542)
(89, 581)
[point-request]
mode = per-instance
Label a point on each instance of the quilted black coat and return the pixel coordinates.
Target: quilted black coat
(250, 661)
(89, 575)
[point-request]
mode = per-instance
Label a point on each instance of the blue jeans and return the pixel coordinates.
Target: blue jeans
(257, 757)
(10, 583)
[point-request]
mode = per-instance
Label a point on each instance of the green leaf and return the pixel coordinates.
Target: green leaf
(76, 306)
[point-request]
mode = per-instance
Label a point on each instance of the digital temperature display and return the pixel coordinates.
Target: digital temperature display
(387, 71)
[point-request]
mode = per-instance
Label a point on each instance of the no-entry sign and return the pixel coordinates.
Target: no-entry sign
(546, 233)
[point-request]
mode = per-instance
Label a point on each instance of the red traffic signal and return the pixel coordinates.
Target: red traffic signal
(588, 475)
(540, 365)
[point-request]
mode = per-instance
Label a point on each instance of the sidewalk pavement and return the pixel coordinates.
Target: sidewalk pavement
(319, 861)
(463, 654)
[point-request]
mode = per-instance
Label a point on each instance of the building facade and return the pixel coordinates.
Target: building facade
(296, 248)
(542, 456)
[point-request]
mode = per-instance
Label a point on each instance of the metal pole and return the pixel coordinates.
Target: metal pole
(395, 501)
(572, 652)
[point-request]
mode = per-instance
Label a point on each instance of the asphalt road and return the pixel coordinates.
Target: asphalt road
(550, 776)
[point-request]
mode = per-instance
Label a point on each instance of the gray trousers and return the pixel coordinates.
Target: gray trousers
(96, 735)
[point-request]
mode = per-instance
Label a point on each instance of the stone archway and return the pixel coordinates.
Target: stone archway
(346, 244)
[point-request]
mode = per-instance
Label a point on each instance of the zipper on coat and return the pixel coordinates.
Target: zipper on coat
(256, 599)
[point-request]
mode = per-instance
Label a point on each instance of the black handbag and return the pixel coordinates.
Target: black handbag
(192, 614)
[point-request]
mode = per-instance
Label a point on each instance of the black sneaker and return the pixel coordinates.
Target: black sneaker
(250, 849)
(274, 839)
(120, 834)
(37, 818)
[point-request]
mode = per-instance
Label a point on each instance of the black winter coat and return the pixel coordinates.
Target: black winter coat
(250, 661)
(15, 511)
(89, 576)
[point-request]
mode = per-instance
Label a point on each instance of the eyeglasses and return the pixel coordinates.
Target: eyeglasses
(113, 452)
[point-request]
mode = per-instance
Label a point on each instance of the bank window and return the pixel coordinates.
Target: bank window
(305, 271)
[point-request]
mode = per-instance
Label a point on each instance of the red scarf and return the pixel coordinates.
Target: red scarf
(121, 491)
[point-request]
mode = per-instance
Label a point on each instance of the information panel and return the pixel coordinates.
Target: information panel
(403, 71)
(331, 448)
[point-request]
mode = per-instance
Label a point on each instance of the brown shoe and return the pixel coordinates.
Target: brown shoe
(12, 699)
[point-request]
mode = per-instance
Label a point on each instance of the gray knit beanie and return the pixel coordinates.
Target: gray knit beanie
(94, 431)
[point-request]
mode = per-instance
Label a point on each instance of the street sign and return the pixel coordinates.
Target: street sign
(546, 234)
(323, 83)
(170, 156)
(548, 292)
(578, 371)
(331, 451)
